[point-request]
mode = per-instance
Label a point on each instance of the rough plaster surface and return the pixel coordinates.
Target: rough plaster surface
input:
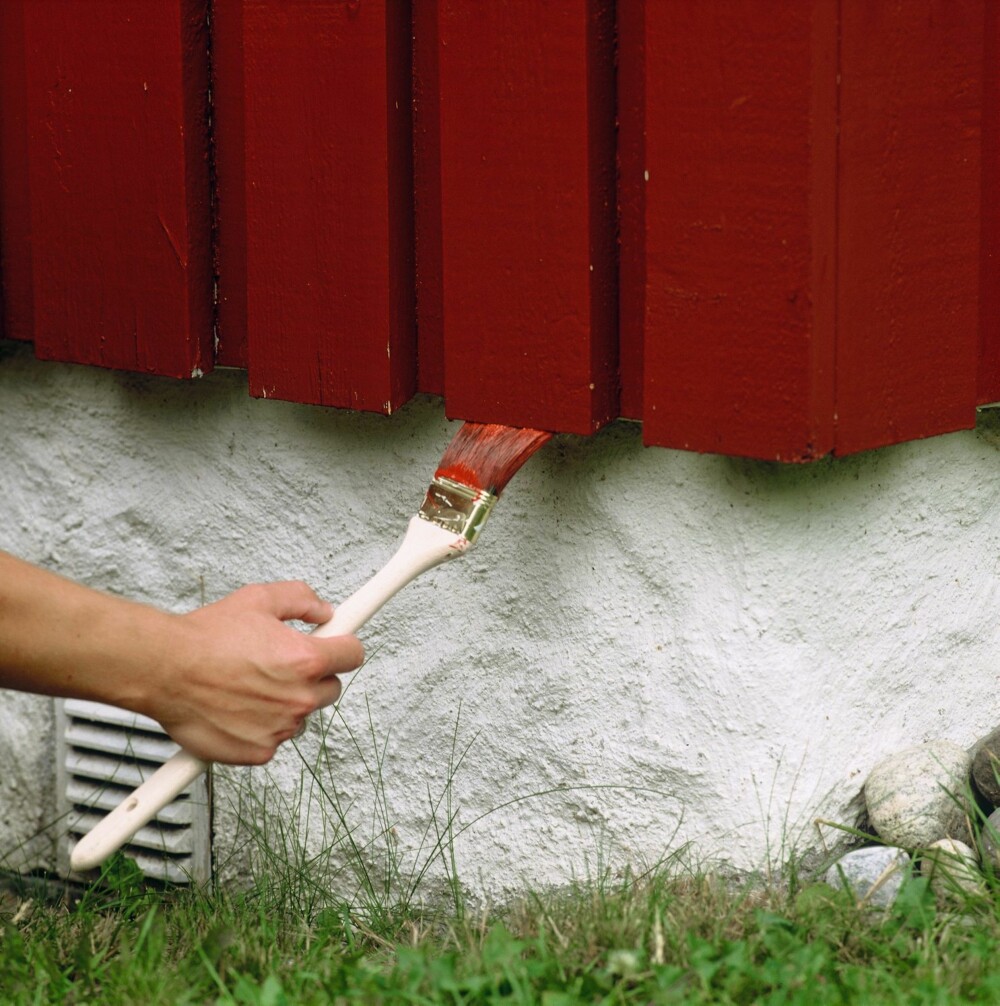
(647, 648)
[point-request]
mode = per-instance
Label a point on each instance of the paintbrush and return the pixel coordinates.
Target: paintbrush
(474, 470)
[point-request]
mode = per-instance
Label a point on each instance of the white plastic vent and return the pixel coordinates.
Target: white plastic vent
(103, 753)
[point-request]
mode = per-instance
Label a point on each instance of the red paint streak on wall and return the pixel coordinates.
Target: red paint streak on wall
(740, 126)
(909, 241)
(427, 198)
(119, 189)
(989, 286)
(229, 203)
(527, 190)
(329, 202)
(16, 314)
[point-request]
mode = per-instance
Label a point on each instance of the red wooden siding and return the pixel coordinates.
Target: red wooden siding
(989, 277)
(329, 202)
(118, 183)
(800, 292)
(909, 235)
(739, 229)
(768, 229)
(427, 199)
(230, 202)
(631, 202)
(527, 174)
(15, 219)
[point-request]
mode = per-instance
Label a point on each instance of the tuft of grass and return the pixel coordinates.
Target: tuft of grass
(355, 851)
(338, 912)
(658, 937)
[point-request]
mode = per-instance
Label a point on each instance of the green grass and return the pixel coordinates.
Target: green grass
(659, 938)
(395, 932)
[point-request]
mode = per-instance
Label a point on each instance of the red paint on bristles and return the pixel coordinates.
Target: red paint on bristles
(487, 456)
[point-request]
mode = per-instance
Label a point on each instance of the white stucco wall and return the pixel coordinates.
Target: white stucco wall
(647, 648)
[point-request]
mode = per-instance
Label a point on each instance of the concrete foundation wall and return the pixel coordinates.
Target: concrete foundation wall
(647, 648)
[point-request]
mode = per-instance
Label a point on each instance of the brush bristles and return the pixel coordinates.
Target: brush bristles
(487, 456)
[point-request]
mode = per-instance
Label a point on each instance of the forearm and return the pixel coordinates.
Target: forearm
(229, 681)
(60, 638)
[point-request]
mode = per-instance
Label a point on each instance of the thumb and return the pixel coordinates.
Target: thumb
(342, 653)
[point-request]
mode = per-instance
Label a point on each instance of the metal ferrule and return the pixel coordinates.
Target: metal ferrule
(456, 507)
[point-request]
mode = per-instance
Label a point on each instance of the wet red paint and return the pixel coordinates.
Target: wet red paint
(487, 456)
(527, 203)
(118, 183)
(329, 223)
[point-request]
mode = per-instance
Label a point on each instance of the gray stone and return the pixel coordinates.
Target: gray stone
(920, 795)
(873, 875)
(952, 870)
(986, 767)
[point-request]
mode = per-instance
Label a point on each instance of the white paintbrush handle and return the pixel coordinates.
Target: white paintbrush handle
(425, 545)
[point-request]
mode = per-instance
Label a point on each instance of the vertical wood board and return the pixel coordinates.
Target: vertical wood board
(740, 225)
(527, 194)
(329, 202)
(16, 299)
(118, 183)
(427, 198)
(229, 203)
(631, 24)
(909, 222)
(989, 277)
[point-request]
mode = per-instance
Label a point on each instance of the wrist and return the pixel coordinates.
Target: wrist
(147, 645)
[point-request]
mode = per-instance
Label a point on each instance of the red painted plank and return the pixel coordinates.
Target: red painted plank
(329, 202)
(631, 16)
(740, 126)
(229, 203)
(527, 192)
(118, 174)
(909, 236)
(16, 316)
(989, 287)
(427, 199)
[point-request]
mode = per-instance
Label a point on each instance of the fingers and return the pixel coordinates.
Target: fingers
(327, 692)
(286, 600)
(244, 682)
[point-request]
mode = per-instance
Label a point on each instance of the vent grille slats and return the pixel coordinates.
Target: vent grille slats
(82, 794)
(115, 740)
(103, 754)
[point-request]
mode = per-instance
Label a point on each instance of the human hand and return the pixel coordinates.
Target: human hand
(240, 681)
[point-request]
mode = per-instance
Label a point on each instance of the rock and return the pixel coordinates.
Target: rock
(873, 875)
(952, 869)
(986, 767)
(920, 795)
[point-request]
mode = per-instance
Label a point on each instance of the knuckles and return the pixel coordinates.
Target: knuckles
(253, 595)
(301, 705)
(266, 594)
